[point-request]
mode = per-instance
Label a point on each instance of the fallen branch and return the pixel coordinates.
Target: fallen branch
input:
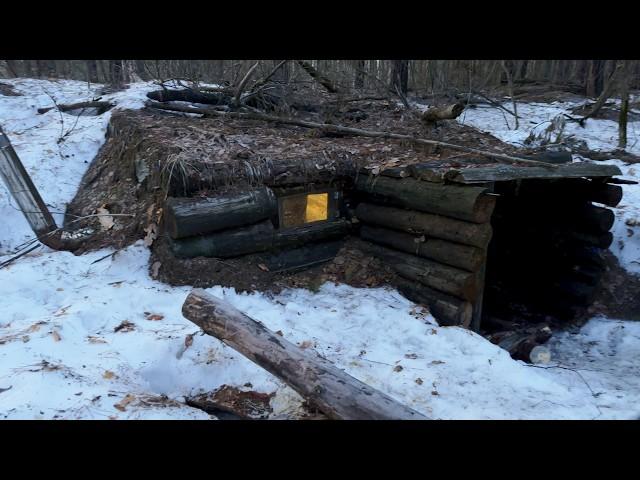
(331, 128)
(243, 83)
(331, 390)
(318, 77)
(101, 106)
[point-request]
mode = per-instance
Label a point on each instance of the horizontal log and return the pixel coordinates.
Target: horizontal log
(427, 224)
(185, 217)
(547, 215)
(551, 157)
(497, 173)
(334, 392)
(446, 279)
(447, 310)
(572, 189)
(455, 254)
(256, 238)
(464, 203)
(100, 106)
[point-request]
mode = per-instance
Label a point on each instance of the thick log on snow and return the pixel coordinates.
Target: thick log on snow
(455, 254)
(255, 238)
(447, 310)
(437, 226)
(186, 217)
(466, 203)
(334, 392)
(101, 107)
(445, 112)
(26, 195)
(446, 279)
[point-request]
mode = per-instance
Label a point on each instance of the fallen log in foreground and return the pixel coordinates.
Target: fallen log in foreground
(334, 392)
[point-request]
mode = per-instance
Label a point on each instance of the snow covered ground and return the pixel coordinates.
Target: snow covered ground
(102, 340)
(601, 135)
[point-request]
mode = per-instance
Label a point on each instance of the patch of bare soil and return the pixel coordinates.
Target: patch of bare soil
(242, 404)
(619, 292)
(248, 273)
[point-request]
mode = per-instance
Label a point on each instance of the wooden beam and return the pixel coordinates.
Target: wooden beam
(496, 173)
(25, 193)
(334, 392)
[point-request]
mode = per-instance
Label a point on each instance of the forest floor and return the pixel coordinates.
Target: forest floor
(93, 336)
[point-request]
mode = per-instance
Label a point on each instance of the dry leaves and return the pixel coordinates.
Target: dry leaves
(56, 336)
(306, 344)
(153, 316)
(108, 375)
(122, 404)
(106, 220)
(263, 267)
(96, 339)
(125, 326)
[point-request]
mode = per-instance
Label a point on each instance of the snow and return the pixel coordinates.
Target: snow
(599, 134)
(61, 356)
(55, 168)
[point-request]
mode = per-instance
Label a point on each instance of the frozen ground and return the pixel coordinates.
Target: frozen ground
(103, 340)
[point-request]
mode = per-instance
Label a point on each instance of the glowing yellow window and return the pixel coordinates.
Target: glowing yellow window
(305, 208)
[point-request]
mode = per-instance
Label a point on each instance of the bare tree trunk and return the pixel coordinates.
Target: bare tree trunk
(507, 72)
(141, 70)
(92, 71)
(624, 108)
(400, 76)
(359, 75)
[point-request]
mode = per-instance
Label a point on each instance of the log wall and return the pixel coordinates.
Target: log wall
(435, 236)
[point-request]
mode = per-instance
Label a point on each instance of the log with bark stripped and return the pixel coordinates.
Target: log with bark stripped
(331, 390)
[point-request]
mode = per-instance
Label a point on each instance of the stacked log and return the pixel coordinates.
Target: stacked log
(435, 236)
(259, 237)
(186, 217)
(461, 202)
